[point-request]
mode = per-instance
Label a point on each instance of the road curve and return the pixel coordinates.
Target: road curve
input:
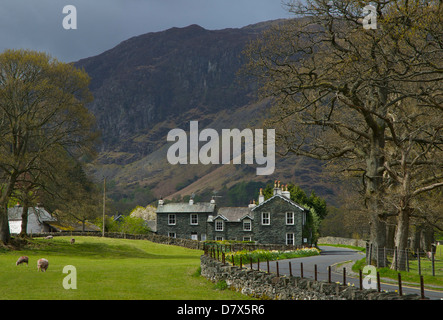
(334, 257)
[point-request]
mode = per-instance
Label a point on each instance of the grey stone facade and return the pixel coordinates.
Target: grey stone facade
(277, 220)
(184, 220)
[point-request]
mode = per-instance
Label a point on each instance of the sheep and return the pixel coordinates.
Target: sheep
(72, 240)
(42, 265)
(21, 260)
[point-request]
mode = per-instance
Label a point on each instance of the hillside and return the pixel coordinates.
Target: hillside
(155, 82)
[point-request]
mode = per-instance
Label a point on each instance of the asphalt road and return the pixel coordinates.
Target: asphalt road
(335, 257)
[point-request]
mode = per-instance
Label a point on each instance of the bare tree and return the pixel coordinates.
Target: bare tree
(335, 84)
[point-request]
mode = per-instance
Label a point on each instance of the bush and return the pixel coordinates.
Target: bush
(133, 225)
(264, 255)
(221, 285)
(127, 224)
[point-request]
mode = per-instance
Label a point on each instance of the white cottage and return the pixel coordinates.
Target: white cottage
(38, 220)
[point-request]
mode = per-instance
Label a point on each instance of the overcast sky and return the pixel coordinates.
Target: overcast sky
(102, 24)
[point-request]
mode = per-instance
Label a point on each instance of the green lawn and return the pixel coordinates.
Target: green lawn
(107, 269)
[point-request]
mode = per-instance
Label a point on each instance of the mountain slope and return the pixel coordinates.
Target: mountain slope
(152, 83)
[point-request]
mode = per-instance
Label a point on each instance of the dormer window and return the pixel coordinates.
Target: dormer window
(219, 225)
(247, 226)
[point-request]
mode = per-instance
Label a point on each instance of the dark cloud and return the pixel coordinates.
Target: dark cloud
(102, 24)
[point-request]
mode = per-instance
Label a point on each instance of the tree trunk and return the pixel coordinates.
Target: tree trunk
(377, 239)
(5, 235)
(401, 239)
(374, 194)
(23, 231)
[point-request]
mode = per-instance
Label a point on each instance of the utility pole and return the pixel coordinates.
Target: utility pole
(104, 204)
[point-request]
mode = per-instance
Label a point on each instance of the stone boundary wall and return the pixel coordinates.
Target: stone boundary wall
(186, 243)
(344, 241)
(262, 285)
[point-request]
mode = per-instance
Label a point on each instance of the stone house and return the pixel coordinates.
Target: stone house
(184, 220)
(277, 220)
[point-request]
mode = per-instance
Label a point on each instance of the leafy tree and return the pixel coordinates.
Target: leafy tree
(42, 111)
(72, 194)
(133, 225)
(127, 224)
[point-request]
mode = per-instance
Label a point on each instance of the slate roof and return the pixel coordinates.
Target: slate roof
(200, 207)
(234, 214)
(15, 213)
(281, 197)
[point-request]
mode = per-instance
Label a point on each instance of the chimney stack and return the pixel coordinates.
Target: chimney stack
(277, 189)
(160, 202)
(261, 197)
(286, 193)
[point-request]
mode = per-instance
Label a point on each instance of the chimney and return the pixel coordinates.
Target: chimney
(212, 200)
(261, 197)
(277, 189)
(252, 204)
(160, 202)
(286, 193)
(191, 201)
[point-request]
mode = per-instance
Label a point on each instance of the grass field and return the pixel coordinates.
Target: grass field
(107, 269)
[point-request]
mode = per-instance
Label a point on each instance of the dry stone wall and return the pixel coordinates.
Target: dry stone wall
(262, 285)
(344, 241)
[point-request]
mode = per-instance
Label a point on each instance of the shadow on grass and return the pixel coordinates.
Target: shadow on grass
(95, 249)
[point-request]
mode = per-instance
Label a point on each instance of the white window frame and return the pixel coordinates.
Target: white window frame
(217, 226)
(287, 238)
(245, 223)
(194, 236)
(172, 235)
(247, 238)
(265, 221)
(191, 222)
(290, 218)
(219, 238)
(172, 219)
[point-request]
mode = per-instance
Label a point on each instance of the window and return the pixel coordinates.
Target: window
(171, 219)
(194, 236)
(219, 238)
(219, 225)
(194, 219)
(289, 239)
(290, 218)
(247, 239)
(265, 218)
(171, 235)
(247, 225)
